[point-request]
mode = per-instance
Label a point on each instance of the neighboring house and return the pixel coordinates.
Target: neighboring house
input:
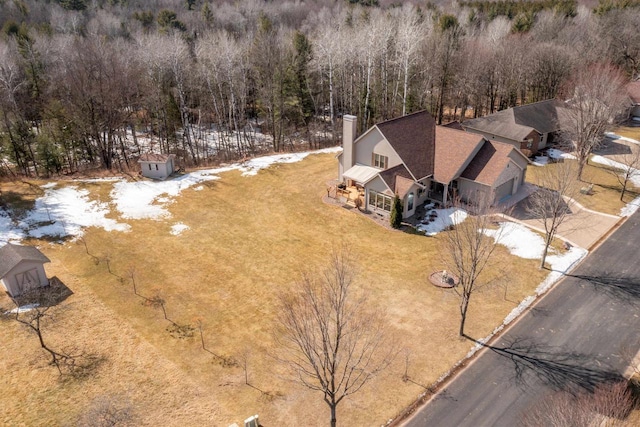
(412, 157)
(529, 128)
(633, 90)
(157, 166)
(22, 269)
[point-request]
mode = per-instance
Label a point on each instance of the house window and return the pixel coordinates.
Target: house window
(149, 166)
(529, 142)
(379, 201)
(410, 202)
(380, 161)
(156, 166)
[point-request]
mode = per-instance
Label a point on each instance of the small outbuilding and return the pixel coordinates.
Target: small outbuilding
(22, 268)
(157, 166)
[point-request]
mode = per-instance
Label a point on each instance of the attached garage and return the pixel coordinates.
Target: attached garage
(504, 190)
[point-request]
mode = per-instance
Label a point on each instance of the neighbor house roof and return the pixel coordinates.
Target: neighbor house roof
(11, 255)
(489, 163)
(155, 158)
(453, 150)
(413, 138)
(633, 90)
(518, 122)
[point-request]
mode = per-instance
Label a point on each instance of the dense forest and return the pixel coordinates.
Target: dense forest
(93, 84)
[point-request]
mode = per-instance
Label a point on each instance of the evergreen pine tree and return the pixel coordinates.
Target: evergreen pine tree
(396, 213)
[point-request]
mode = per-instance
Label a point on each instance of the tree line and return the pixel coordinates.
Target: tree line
(94, 84)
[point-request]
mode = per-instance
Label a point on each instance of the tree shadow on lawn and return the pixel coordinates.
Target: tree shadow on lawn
(624, 289)
(552, 366)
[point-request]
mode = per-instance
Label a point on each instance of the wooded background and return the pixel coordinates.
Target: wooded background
(219, 81)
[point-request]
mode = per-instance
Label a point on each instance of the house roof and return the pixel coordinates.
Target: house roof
(518, 122)
(453, 149)
(413, 138)
(361, 173)
(156, 158)
(453, 125)
(633, 90)
(398, 179)
(11, 255)
(489, 163)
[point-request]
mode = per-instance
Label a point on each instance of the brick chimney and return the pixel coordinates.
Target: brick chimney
(349, 125)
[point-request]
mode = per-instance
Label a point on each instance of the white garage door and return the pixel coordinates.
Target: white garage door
(504, 190)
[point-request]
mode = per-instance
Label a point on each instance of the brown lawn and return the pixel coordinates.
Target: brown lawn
(249, 238)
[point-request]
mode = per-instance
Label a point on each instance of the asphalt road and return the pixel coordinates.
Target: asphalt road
(580, 334)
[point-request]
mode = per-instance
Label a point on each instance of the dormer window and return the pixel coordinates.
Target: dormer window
(380, 161)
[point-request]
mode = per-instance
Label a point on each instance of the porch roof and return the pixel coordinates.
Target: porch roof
(361, 174)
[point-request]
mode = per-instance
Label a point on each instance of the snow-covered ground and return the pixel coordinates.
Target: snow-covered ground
(67, 211)
(178, 228)
(634, 176)
(445, 218)
(558, 154)
(614, 136)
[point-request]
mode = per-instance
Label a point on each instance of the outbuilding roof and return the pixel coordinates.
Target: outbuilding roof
(633, 90)
(156, 158)
(11, 255)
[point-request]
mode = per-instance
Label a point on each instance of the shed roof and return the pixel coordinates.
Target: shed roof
(11, 255)
(413, 138)
(156, 158)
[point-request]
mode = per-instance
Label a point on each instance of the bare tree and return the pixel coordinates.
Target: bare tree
(468, 249)
(553, 201)
(107, 411)
(629, 170)
(608, 405)
(330, 340)
(596, 97)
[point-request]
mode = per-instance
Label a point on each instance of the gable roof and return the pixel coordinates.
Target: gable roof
(489, 163)
(413, 138)
(11, 255)
(398, 179)
(453, 150)
(518, 122)
(155, 158)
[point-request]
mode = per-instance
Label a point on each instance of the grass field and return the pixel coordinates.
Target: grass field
(249, 239)
(605, 195)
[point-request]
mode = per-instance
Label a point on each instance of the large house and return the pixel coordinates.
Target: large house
(412, 157)
(22, 268)
(529, 127)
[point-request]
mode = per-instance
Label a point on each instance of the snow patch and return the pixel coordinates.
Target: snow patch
(557, 154)
(634, 175)
(9, 232)
(65, 212)
(178, 228)
(49, 185)
(540, 161)
(22, 309)
(630, 207)
(445, 218)
(520, 240)
(615, 136)
(198, 188)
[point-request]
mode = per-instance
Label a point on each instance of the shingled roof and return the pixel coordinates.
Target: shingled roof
(489, 163)
(453, 149)
(398, 179)
(413, 138)
(11, 255)
(518, 122)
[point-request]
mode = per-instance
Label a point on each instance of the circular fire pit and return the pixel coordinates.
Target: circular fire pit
(443, 279)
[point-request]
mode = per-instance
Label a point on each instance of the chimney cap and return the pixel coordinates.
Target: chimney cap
(349, 117)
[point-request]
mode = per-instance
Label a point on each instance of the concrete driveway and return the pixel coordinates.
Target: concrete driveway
(582, 227)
